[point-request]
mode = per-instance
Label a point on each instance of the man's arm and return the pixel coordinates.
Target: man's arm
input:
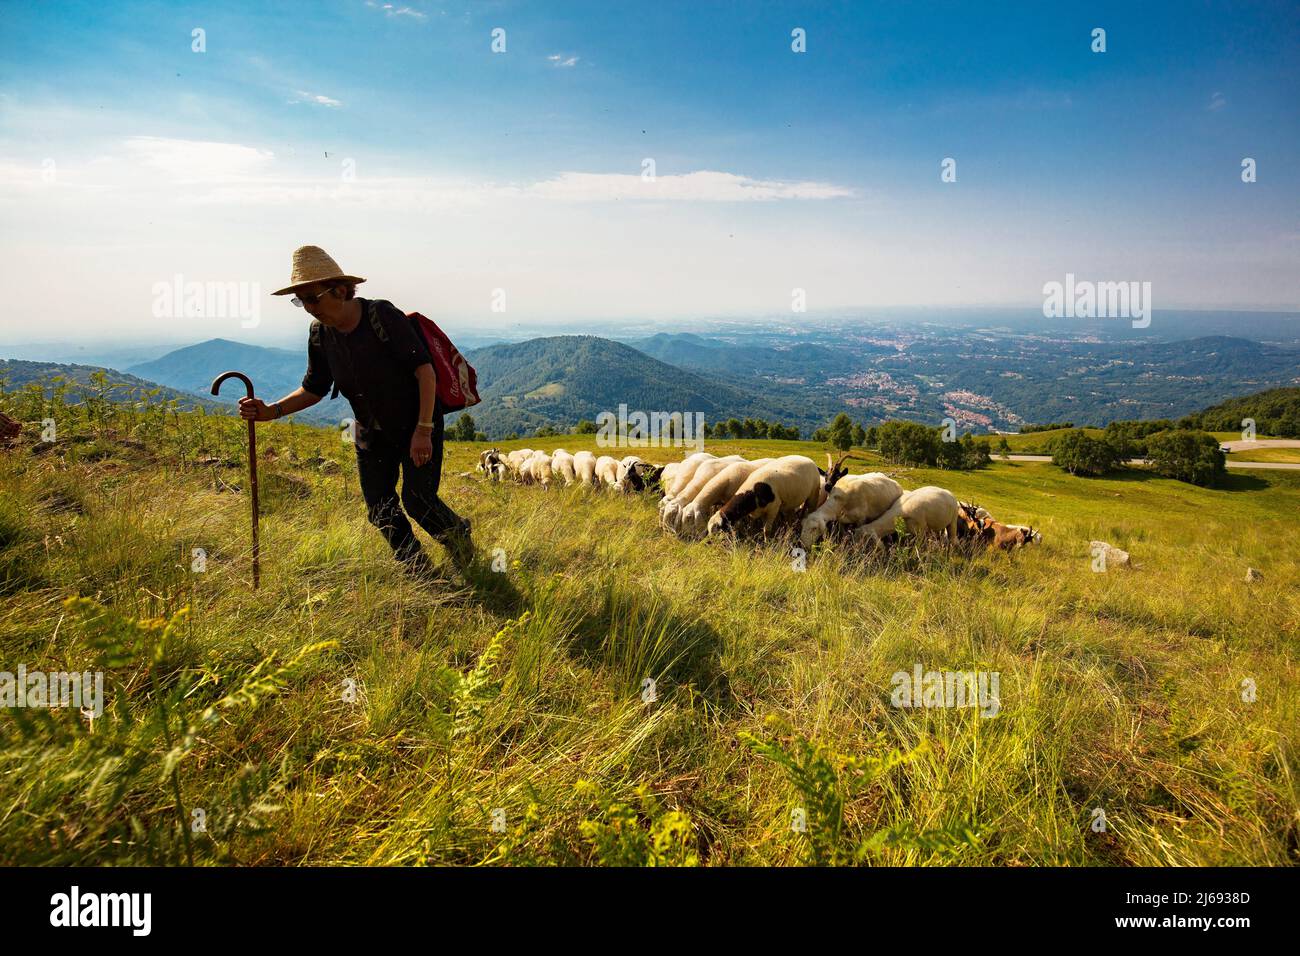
(428, 379)
(295, 401)
(421, 438)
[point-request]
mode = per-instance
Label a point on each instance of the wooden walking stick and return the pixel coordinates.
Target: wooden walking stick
(252, 462)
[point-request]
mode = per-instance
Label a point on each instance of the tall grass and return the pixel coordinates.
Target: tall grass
(345, 713)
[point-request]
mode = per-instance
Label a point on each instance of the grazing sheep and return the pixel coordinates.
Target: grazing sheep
(628, 474)
(606, 471)
(702, 475)
(694, 516)
(649, 476)
(492, 464)
(924, 510)
(562, 468)
(684, 472)
(537, 469)
(778, 489)
(515, 461)
(852, 500)
(584, 467)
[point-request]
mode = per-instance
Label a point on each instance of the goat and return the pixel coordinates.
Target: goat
(851, 500)
(1007, 537)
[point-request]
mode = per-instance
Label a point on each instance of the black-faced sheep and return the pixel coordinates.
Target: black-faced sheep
(778, 489)
(721, 488)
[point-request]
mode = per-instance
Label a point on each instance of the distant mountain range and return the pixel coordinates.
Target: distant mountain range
(984, 379)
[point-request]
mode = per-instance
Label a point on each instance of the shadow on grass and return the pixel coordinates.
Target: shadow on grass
(1229, 482)
(639, 635)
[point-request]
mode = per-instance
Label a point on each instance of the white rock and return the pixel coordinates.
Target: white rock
(1113, 554)
(1253, 575)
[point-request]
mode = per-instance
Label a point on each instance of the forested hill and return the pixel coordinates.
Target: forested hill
(1275, 411)
(568, 378)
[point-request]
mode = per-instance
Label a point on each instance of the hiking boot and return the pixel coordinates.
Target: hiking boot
(458, 542)
(419, 566)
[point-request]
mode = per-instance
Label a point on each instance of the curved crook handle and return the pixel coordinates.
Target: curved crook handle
(216, 382)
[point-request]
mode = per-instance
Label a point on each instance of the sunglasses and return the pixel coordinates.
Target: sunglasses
(302, 300)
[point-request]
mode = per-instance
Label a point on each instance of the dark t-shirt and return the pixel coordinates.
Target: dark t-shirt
(377, 377)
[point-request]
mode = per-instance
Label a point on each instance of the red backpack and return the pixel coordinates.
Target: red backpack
(457, 380)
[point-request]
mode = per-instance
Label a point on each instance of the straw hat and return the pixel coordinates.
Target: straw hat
(313, 264)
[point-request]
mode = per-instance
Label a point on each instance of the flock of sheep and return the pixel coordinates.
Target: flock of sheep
(708, 495)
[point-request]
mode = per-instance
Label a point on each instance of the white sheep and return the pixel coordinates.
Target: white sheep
(684, 472)
(606, 471)
(776, 490)
(515, 461)
(853, 500)
(720, 489)
(923, 511)
(700, 477)
(537, 469)
(562, 468)
(584, 467)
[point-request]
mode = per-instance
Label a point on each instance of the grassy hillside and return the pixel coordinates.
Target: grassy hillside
(346, 714)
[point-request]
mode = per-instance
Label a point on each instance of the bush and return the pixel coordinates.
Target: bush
(1187, 455)
(1080, 454)
(909, 443)
(964, 455)
(841, 432)
(1130, 438)
(463, 429)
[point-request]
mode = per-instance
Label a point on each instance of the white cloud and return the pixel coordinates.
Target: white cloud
(394, 11)
(404, 192)
(304, 97)
(702, 186)
(1217, 102)
(559, 59)
(194, 161)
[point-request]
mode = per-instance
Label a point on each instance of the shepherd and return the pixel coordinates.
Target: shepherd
(368, 350)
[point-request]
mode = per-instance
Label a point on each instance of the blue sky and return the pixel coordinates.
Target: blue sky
(475, 170)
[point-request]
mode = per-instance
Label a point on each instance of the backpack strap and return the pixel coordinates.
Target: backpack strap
(372, 313)
(314, 335)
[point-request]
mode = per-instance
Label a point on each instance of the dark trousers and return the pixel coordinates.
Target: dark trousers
(379, 462)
